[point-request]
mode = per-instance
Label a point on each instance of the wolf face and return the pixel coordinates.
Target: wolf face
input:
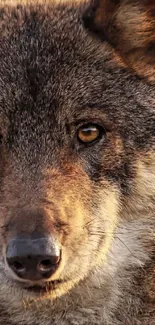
(77, 141)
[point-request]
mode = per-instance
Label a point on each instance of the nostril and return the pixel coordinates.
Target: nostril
(47, 264)
(19, 267)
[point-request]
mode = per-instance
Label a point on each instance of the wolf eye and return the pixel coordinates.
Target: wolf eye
(90, 133)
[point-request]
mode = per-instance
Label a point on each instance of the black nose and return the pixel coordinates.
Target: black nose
(33, 258)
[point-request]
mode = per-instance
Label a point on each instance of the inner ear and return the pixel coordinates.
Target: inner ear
(129, 26)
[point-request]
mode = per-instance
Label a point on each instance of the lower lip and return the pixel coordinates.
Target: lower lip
(42, 290)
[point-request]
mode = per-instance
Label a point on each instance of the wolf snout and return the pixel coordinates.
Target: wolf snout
(33, 259)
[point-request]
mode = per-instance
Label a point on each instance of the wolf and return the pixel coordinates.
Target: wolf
(77, 162)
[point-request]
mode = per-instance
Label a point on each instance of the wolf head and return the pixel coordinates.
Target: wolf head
(77, 135)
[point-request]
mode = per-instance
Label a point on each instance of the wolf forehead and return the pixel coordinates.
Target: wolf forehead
(38, 50)
(45, 50)
(52, 68)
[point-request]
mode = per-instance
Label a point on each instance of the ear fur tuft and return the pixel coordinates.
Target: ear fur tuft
(129, 26)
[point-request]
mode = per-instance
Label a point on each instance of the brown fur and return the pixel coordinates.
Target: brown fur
(130, 28)
(62, 65)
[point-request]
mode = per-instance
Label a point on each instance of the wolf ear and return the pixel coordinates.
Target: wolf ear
(129, 26)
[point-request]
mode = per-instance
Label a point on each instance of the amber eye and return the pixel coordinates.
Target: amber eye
(89, 133)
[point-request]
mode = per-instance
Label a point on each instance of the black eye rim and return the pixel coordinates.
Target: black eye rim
(102, 132)
(1, 138)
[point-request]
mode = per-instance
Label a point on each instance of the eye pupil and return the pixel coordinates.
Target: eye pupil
(1, 138)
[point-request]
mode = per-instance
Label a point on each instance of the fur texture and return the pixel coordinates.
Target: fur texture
(63, 65)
